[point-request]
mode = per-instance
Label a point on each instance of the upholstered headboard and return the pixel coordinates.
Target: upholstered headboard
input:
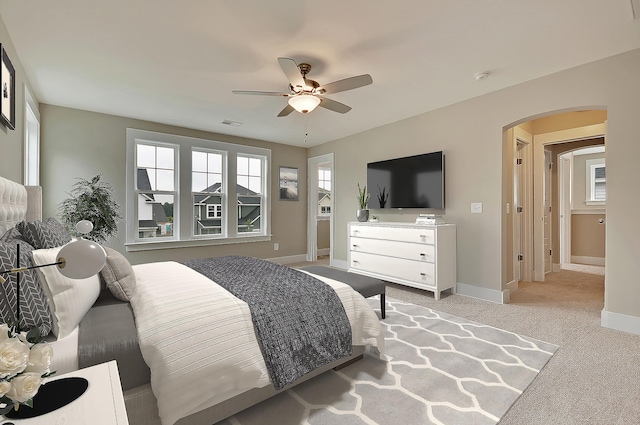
(18, 202)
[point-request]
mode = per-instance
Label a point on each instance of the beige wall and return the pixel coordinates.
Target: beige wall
(79, 143)
(324, 234)
(11, 150)
(471, 133)
(587, 235)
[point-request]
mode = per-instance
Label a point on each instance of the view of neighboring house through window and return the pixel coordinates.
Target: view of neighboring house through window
(184, 191)
(156, 188)
(596, 181)
(324, 191)
(250, 191)
(208, 192)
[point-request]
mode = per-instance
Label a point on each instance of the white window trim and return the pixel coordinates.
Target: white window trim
(31, 140)
(184, 222)
(591, 165)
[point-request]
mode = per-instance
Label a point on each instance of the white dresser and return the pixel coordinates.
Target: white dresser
(420, 256)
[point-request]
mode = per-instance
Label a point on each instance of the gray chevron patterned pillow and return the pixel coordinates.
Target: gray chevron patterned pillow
(44, 234)
(34, 309)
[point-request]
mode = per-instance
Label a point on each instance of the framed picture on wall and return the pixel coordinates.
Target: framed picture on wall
(8, 87)
(288, 184)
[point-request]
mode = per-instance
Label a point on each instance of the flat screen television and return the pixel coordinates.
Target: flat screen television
(410, 182)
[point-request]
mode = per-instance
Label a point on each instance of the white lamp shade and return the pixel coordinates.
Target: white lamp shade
(82, 259)
(84, 226)
(304, 103)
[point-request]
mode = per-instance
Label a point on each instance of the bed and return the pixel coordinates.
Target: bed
(175, 326)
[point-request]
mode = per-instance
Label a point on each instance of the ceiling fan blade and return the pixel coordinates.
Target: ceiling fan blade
(262, 93)
(286, 111)
(346, 84)
(332, 105)
(291, 70)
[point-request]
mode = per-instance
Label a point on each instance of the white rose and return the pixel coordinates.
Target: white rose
(4, 387)
(13, 356)
(40, 358)
(24, 387)
(4, 331)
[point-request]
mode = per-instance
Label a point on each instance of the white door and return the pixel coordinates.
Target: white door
(547, 211)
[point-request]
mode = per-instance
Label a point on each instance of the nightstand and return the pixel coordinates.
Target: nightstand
(101, 404)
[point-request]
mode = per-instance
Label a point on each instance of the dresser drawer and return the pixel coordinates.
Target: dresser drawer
(411, 251)
(414, 271)
(394, 233)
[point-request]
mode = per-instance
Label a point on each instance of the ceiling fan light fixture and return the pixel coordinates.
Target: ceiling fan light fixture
(304, 103)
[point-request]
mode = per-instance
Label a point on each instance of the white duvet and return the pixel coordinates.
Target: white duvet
(199, 342)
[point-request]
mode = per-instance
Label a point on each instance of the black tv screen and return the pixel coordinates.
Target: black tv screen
(410, 182)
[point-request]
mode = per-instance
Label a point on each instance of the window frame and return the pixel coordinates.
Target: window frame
(591, 166)
(183, 205)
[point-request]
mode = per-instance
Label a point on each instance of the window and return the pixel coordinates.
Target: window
(31, 141)
(250, 192)
(324, 191)
(155, 189)
(180, 191)
(596, 182)
(208, 194)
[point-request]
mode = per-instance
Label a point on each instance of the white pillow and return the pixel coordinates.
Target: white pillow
(69, 299)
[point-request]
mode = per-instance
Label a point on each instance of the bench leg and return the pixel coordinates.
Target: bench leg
(382, 305)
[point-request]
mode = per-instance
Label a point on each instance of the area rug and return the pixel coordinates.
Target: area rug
(443, 370)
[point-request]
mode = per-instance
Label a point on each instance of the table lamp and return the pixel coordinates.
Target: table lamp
(78, 259)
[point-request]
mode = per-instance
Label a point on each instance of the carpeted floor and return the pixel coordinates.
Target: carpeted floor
(443, 370)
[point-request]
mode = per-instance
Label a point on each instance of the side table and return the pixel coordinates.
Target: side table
(101, 404)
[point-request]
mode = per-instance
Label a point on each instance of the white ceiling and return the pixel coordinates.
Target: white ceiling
(176, 62)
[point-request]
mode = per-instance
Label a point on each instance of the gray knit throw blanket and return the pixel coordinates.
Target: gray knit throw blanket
(300, 321)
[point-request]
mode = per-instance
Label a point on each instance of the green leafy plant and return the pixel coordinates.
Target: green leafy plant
(91, 200)
(383, 195)
(363, 197)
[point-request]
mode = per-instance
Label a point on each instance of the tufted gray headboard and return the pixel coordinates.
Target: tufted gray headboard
(17, 203)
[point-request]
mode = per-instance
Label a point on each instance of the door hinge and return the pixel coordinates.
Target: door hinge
(520, 257)
(519, 209)
(519, 161)
(550, 253)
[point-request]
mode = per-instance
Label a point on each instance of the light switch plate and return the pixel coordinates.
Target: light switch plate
(476, 207)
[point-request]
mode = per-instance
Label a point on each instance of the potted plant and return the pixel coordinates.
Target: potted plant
(91, 200)
(362, 214)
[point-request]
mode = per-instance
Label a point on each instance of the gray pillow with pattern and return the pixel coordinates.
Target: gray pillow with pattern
(44, 234)
(118, 275)
(34, 309)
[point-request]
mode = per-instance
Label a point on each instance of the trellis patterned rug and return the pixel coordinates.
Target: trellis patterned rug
(443, 370)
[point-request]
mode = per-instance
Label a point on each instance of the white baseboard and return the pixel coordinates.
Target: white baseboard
(620, 322)
(341, 264)
(289, 259)
(593, 261)
(324, 251)
(509, 289)
(473, 291)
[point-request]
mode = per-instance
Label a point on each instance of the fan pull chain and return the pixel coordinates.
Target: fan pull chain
(306, 133)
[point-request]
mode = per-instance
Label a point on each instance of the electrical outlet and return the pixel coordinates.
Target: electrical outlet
(476, 207)
(276, 246)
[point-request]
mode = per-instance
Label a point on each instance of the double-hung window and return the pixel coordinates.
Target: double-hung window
(183, 191)
(596, 182)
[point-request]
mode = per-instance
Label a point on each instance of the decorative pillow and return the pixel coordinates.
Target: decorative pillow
(34, 308)
(13, 236)
(69, 299)
(118, 275)
(44, 234)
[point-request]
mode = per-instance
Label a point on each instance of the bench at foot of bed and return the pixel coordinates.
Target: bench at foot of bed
(366, 286)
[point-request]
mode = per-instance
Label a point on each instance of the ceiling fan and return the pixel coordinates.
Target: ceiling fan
(305, 94)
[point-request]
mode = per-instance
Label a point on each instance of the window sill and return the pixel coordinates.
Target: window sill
(599, 203)
(150, 246)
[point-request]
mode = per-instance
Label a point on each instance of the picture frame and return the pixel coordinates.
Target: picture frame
(288, 184)
(7, 90)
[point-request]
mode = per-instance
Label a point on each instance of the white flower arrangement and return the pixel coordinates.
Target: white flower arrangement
(25, 360)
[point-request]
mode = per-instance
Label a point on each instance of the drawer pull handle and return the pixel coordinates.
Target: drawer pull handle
(354, 246)
(424, 274)
(422, 254)
(355, 261)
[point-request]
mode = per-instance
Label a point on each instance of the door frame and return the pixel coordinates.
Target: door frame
(539, 142)
(312, 206)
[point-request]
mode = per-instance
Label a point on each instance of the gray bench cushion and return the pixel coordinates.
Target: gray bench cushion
(367, 286)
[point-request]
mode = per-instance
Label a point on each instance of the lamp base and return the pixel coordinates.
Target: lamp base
(52, 396)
